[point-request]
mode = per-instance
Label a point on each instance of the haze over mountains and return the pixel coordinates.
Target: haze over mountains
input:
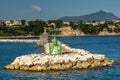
(97, 16)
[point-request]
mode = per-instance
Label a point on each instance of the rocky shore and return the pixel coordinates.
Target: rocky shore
(70, 59)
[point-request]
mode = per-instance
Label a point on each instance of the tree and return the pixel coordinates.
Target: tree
(110, 23)
(36, 26)
(23, 22)
(73, 25)
(58, 23)
(90, 29)
(117, 29)
(109, 30)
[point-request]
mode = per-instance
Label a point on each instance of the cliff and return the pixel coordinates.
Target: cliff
(68, 31)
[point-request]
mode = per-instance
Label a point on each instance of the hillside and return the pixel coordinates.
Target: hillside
(97, 16)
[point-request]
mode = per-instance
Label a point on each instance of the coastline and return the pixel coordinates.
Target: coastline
(10, 37)
(84, 35)
(19, 37)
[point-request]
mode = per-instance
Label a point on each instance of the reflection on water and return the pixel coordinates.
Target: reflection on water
(85, 74)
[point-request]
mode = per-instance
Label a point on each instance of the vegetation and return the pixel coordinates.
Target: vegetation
(36, 27)
(73, 25)
(58, 23)
(109, 30)
(88, 28)
(117, 29)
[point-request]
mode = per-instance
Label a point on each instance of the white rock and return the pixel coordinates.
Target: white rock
(98, 56)
(42, 59)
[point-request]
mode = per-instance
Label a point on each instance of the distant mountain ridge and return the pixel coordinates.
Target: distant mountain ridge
(97, 16)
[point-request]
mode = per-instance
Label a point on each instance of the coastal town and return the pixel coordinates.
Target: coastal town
(61, 28)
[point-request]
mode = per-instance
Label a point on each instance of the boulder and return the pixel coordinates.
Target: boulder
(85, 65)
(11, 67)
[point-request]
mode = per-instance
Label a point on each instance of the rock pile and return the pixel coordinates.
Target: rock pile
(19, 40)
(71, 59)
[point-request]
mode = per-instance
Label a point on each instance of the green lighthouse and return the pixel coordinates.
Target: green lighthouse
(55, 48)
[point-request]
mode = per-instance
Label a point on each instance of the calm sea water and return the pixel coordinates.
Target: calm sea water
(107, 45)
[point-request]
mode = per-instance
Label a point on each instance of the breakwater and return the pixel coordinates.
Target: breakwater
(71, 58)
(40, 42)
(19, 40)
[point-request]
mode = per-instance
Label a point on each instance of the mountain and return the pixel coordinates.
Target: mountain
(98, 16)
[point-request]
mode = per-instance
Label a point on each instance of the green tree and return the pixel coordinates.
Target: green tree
(23, 22)
(73, 25)
(109, 30)
(117, 29)
(110, 23)
(90, 29)
(37, 27)
(58, 23)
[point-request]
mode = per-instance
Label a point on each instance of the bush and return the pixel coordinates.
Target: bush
(117, 29)
(109, 30)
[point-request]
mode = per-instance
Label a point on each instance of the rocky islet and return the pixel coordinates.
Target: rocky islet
(71, 58)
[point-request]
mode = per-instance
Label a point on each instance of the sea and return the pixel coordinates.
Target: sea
(106, 45)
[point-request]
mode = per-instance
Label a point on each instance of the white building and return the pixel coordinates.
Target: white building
(95, 23)
(13, 23)
(66, 23)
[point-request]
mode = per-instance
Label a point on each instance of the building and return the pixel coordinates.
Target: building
(116, 21)
(95, 23)
(13, 23)
(51, 24)
(66, 23)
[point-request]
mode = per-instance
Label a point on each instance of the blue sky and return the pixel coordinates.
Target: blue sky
(54, 9)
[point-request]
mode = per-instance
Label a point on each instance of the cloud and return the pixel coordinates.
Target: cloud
(36, 8)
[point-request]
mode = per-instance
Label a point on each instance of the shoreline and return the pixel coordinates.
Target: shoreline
(10, 37)
(85, 35)
(19, 37)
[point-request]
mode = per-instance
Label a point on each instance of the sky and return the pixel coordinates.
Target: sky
(54, 9)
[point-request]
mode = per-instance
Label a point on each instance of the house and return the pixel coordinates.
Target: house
(13, 23)
(95, 23)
